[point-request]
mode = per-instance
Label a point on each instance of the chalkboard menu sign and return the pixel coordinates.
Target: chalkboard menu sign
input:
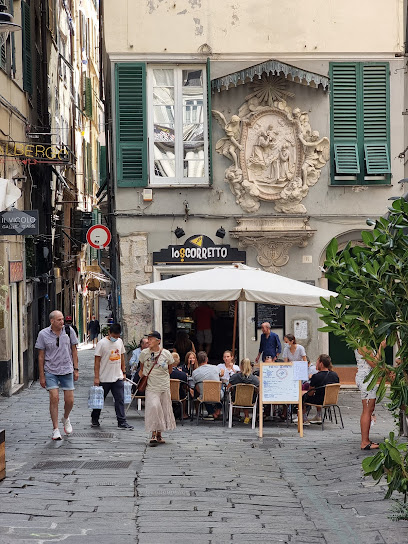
(273, 313)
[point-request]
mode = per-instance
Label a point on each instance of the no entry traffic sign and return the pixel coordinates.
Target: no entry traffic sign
(98, 236)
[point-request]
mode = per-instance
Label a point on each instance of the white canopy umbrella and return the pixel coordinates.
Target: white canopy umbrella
(236, 282)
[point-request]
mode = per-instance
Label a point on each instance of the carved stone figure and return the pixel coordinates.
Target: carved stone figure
(227, 146)
(276, 156)
(316, 156)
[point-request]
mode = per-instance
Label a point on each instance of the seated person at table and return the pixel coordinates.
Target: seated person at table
(190, 363)
(311, 369)
(292, 351)
(227, 368)
(134, 360)
(315, 394)
(205, 372)
(177, 372)
(245, 376)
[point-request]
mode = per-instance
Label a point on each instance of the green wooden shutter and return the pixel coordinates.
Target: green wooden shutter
(89, 168)
(13, 47)
(27, 57)
(131, 129)
(346, 158)
(377, 158)
(88, 97)
(344, 117)
(209, 120)
(3, 56)
(102, 164)
(376, 117)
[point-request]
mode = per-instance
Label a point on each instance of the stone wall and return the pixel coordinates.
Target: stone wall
(136, 314)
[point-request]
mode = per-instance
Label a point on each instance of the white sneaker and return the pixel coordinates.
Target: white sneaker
(67, 425)
(56, 435)
(316, 419)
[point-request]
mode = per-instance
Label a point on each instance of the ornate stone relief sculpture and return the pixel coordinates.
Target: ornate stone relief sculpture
(275, 154)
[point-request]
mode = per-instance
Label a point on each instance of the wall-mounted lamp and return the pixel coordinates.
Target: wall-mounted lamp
(6, 24)
(220, 233)
(404, 180)
(179, 232)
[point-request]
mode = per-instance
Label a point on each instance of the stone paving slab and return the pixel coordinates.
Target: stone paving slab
(207, 485)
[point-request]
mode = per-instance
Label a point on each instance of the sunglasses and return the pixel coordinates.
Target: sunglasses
(57, 341)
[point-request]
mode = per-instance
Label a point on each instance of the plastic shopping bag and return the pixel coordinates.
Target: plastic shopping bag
(127, 392)
(95, 397)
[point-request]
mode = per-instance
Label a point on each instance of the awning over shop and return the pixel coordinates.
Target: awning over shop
(274, 67)
(236, 282)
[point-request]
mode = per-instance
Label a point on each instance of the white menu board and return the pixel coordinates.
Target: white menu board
(278, 384)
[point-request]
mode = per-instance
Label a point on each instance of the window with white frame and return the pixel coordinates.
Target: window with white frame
(177, 114)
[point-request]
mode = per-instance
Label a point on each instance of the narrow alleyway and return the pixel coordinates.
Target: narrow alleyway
(208, 484)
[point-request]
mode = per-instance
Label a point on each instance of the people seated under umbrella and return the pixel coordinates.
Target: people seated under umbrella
(244, 376)
(227, 368)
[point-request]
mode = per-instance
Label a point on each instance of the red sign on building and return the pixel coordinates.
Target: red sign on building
(16, 271)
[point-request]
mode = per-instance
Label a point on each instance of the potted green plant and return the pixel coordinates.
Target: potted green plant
(372, 285)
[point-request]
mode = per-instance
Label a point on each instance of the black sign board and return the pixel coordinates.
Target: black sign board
(199, 249)
(273, 313)
(19, 222)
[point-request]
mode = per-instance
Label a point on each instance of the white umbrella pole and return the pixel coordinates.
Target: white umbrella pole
(234, 332)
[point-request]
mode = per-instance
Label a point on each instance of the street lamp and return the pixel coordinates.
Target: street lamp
(6, 24)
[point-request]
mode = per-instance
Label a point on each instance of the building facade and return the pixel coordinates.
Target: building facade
(248, 134)
(49, 123)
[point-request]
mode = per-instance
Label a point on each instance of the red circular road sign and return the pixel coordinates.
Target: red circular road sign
(98, 236)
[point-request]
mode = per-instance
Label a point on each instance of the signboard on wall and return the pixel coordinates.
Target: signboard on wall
(16, 271)
(272, 313)
(35, 153)
(18, 222)
(199, 249)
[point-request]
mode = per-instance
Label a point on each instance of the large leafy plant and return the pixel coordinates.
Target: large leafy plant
(372, 304)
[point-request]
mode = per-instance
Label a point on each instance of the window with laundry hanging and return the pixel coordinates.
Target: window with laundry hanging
(162, 127)
(360, 123)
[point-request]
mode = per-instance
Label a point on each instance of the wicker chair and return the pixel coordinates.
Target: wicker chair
(331, 397)
(176, 398)
(246, 396)
(211, 395)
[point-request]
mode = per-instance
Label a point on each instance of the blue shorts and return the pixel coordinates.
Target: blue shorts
(53, 381)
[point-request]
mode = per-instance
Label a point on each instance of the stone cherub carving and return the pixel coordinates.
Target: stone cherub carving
(227, 146)
(317, 153)
(276, 156)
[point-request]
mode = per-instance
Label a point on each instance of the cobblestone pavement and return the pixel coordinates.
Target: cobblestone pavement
(208, 484)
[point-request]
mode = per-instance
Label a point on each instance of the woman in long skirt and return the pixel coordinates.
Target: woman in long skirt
(157, 363)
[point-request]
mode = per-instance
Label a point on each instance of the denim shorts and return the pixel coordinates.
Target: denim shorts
(53, 381)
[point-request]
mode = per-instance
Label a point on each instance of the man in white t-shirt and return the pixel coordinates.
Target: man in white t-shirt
(110, 372)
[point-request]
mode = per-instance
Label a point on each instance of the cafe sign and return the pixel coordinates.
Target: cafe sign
(199, 249)
(18, 222)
